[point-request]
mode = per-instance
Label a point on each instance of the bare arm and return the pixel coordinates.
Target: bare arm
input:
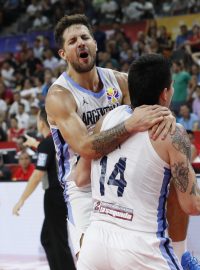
(183, 175)
(61, 111)
(30, 187)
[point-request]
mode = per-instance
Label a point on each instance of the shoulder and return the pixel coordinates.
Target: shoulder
(59, 101)
(122, 79)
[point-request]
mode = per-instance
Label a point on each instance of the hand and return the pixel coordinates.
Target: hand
(17, 207)
(163, 128)
(30, 141)
(145, 117)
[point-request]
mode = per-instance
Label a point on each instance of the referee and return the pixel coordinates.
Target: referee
(54, 231)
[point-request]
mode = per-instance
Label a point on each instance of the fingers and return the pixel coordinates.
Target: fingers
(163, 128)
(173, 126)
(158, 131)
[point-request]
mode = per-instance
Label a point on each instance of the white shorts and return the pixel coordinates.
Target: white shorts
(106, 246)
(79, 211)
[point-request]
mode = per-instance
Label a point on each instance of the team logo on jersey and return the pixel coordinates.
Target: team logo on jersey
(113, 95)
(113, 210)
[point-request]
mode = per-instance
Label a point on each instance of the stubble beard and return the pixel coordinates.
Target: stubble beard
(84, 69)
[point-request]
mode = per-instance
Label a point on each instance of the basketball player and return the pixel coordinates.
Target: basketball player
(130, 185)
(76, 100)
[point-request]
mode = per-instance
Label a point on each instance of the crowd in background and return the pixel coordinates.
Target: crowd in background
(25, 76)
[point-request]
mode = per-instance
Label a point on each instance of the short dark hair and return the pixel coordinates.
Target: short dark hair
(148, 76)
(43, 116)
(65, 22)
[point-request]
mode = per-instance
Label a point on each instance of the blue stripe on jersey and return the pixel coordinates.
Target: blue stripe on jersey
(63, 166)
(165, 248)
(78, 87)
(128, 109)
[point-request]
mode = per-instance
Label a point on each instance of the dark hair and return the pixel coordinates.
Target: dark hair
(66, 22)
(148, 77)
(43, 116)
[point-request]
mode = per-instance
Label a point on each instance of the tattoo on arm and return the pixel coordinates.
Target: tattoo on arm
(181, 142)
(180, 176)
(195, 190)
(108, 140)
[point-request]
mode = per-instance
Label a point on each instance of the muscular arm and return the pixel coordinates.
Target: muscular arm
(61, 111)
(183, 175)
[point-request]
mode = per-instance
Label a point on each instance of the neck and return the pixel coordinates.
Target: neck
(89, 80)
(45, 132)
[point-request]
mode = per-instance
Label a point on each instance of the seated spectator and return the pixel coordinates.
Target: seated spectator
(182, 37)
(25, 168)
(190, 121)
(196, 102)
(22, 117)
(194, 40)
(194, 151)
(5, 173)
(14, 108)
(7, 73)
(5, 93)
(14, 131)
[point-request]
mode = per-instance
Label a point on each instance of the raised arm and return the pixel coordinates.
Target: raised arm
(61, 111)
(183, 175)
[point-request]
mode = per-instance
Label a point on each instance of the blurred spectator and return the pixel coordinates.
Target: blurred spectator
(50, 61)
(33, 7)
(194, 151)
(3, 136)
(108, 10)
(40, 22)
(6, 94)
(3, 106)
(189, 121)
(14, 131)
(182, 37)
(32, 123)
(25, 168)
(14, 108)
(7, 73)
(48, 80)
(22, 117)
(196, 102)
(5, 173)
(181, 79)
(99, 36)
(38, 47)
(194, 39)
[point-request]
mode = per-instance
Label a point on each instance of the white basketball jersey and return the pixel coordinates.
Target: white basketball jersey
(90, 107)
(130, 185)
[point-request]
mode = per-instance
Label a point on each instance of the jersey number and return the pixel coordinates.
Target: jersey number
(120, 182)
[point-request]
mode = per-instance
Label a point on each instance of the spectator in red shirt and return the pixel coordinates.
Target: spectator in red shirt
(25, 169)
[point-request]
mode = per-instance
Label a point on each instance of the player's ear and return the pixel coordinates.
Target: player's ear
(62, 54)
(163, 96)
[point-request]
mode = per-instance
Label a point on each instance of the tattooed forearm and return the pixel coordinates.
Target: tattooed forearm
(181, 142)
(195, 190)
(180, 174)
(107, 141)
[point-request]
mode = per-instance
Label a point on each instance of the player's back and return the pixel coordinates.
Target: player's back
(130, 185)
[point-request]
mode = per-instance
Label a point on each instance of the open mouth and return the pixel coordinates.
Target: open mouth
(83, 55)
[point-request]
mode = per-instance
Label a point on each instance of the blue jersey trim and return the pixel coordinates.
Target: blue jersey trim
(165, 248)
